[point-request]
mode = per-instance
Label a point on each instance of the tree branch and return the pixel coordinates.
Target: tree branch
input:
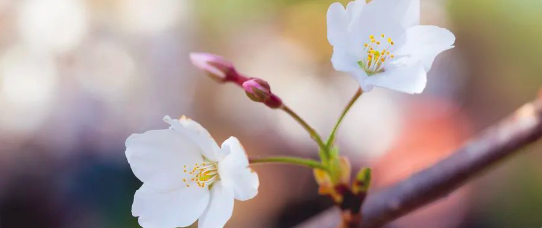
(523, 127)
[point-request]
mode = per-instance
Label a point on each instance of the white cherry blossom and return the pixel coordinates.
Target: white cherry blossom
(382, 44)
(186, 176)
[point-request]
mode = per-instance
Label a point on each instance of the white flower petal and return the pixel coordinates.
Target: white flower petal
(409, 13)
(378, 17)
(220, 207)
(339, 21)
(234, 169)
(425, 42)
(408, 79)
(246, 185)
(237, 157)
(194, 131)
(355, 9)
(176, 208)
(366, 87)
(343, 61)
(157, 157)
(337, 24)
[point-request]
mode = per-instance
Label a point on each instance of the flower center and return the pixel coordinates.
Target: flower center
(377, 54)
(203, 174)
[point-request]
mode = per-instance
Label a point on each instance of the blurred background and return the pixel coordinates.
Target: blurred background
(77, 77)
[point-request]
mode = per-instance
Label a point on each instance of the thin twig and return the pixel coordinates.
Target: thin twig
(495, 144)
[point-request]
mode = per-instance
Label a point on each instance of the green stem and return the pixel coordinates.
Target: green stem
(289, 160)
(314, 135)
(331, 138)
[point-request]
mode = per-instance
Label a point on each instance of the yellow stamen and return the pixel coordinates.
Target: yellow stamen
(203, 174)
(376, 57)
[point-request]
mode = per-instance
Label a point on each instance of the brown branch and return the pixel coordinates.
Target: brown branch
(523, 127)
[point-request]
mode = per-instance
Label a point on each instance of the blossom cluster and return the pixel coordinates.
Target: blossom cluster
(187, 176)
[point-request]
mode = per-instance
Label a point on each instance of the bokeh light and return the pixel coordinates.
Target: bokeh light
(151, 16)
(56, 25)
(27, 87)
(105, 69)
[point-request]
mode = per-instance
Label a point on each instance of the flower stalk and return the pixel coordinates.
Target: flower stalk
(351, 103)
(314, 135)
(289, 160)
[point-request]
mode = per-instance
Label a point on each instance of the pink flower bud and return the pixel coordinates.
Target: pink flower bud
(258, 90)
(217, 67)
